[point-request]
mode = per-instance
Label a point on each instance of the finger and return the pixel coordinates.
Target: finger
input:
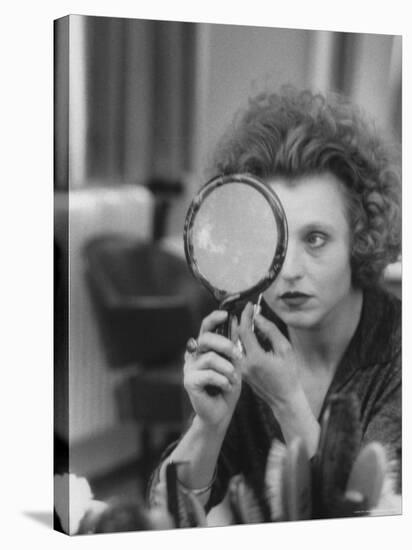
(214, 361)
(198, 510)
(202, 378)
(213, 320)
(247, 335)
(234, 328)
(246, 317)
(235, 336)
(210, 341)
(272, 333)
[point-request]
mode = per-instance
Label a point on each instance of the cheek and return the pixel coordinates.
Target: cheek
(334, 271)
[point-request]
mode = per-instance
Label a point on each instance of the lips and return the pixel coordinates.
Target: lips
(295, 299)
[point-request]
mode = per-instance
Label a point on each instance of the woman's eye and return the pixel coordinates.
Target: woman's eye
(316, 239)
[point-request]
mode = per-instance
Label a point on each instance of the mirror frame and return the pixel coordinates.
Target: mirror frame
(280, 217)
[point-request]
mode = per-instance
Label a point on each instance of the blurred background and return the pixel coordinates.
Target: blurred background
(139, 107)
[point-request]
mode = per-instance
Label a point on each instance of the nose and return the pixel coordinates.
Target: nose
(292, 268)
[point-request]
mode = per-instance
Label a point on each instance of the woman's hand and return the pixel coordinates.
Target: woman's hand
(215, 363)
(274, 374)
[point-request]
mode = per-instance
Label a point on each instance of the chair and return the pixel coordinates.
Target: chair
(147, 305)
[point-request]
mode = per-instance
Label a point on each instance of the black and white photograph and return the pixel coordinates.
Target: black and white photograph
(205, 274)
(227, 274)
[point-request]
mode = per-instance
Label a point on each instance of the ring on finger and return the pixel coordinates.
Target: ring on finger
(192, 345)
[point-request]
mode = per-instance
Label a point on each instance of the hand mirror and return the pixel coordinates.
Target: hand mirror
(235, 238)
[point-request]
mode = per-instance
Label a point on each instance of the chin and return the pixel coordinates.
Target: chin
(300, 319)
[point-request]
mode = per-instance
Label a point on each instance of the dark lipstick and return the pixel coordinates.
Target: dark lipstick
(294, 299)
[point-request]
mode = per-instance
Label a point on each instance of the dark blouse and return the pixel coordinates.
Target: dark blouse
(370, 368)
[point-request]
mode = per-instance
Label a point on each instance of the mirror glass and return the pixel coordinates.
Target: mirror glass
(235, 236)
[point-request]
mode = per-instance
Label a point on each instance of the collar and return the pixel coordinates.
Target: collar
(376, 340)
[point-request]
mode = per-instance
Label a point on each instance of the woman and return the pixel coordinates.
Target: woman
(330, 325)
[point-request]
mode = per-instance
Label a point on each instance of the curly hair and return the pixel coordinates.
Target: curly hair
(297, 133)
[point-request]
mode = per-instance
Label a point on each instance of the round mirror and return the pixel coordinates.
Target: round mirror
(235, 236)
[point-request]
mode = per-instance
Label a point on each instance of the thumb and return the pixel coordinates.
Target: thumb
(235, 337)
(246, 331)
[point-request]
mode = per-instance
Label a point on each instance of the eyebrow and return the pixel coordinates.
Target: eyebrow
(316, 226)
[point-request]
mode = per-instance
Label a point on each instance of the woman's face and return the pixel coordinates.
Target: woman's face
(316, 276)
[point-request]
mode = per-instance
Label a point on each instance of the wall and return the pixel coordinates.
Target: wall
(233, 63)
(241, 61)
(236, 62)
